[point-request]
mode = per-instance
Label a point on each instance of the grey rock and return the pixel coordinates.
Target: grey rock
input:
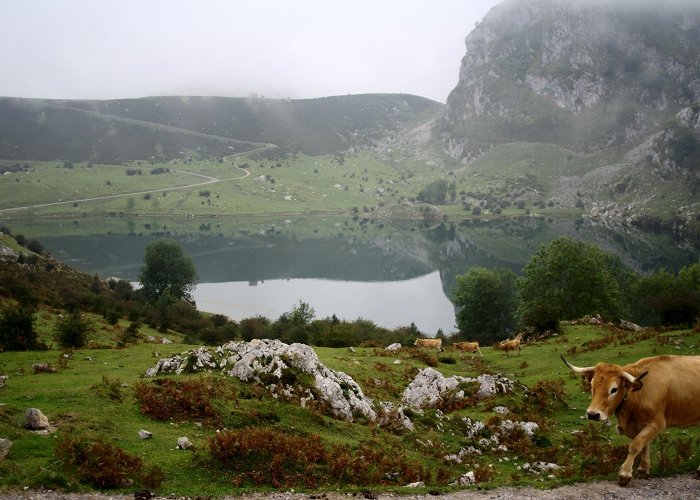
(5, 445)
(143, 434)
(184, 443)
(35, 420)
(259, 359)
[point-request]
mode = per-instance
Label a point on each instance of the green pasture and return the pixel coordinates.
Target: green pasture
(522, 166)
(80, 399)
(237, 185)
(52, 182)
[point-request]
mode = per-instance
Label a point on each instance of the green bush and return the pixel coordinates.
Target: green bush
(73, 331)
(17, 331)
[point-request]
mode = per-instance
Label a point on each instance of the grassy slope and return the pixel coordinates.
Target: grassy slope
(75, 400)
(296, 184)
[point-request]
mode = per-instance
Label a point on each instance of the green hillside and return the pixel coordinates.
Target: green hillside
(96, 396)
(167, 128)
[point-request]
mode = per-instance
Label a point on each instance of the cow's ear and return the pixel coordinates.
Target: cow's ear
(637, 384)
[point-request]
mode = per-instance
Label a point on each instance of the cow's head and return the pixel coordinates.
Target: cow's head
(610, 385)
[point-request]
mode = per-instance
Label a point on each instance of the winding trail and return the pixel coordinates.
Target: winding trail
(207, 180)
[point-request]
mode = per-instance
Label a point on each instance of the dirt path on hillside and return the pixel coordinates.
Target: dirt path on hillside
(682, 487)
(207, 180)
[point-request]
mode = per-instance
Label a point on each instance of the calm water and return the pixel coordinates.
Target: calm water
(387, 303)
(393, 276)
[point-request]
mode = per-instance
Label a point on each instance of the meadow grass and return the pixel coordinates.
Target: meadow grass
(92, 394)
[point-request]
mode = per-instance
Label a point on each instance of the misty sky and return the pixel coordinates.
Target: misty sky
(98, 49)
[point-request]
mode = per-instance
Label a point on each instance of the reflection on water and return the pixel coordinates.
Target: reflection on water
(387, 303)
(344, 267)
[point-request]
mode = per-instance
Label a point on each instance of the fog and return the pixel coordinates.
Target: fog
(86, 49)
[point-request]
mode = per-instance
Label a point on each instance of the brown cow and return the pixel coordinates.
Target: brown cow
(434, 343)
(511, 345)
(668, 397)
(472, 347)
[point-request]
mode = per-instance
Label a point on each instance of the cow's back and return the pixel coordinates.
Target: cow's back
(672, 385)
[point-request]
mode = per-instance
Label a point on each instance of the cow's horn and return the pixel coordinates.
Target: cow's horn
(577, 369)
(632, 379)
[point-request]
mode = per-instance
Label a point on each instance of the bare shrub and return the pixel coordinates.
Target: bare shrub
(549, 395)
(104, 465)
(267, 457)
(43, 368)
(181, 400)
(599, 457)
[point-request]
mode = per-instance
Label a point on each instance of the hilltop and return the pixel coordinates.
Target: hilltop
(168, 128)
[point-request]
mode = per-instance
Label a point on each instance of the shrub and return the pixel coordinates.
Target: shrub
(104, 465)
(549, 395)
(129, 336)
(543, 318)
(73, 331)
(17, 331)
(181, 400)
(111, 388)
(269, 457)
(265, 456)
(599, 456)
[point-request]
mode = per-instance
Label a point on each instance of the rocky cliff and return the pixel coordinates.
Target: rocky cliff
(613, 83)
(586, 74)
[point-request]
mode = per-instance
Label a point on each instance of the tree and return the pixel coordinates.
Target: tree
(435, 192)
(666, 299)
(486, 302)
(167, 272)
(35, 246)
(570, 279)
(73, 330)
(17, 331)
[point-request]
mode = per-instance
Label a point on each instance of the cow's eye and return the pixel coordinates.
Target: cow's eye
(613, 390)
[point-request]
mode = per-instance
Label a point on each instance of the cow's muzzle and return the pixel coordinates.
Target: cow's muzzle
(597, 416)
(593, 415)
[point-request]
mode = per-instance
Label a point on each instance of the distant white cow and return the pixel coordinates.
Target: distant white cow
(432, 343)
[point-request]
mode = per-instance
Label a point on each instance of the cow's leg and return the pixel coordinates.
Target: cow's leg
(640, 442)
(645, 462)
(697, 473)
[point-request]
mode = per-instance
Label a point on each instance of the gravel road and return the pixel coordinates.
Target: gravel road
(676, 488)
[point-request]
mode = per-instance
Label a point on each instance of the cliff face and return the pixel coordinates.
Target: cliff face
(585, 74)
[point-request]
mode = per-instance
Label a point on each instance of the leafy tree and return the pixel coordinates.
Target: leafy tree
(486, 301)
(666, 299)
(435, 192)
(294, 326)
(17, 331)
(35, 246)
(572, 278)
(254, 328)
(167, 272)
(73, 330)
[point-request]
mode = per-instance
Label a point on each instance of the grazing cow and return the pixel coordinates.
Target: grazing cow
(511, 345)
(668, 397)
(434, 343)
(472, 347)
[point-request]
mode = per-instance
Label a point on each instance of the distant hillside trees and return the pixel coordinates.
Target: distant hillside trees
(437, 192)
(487, 300)
(167, 272)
